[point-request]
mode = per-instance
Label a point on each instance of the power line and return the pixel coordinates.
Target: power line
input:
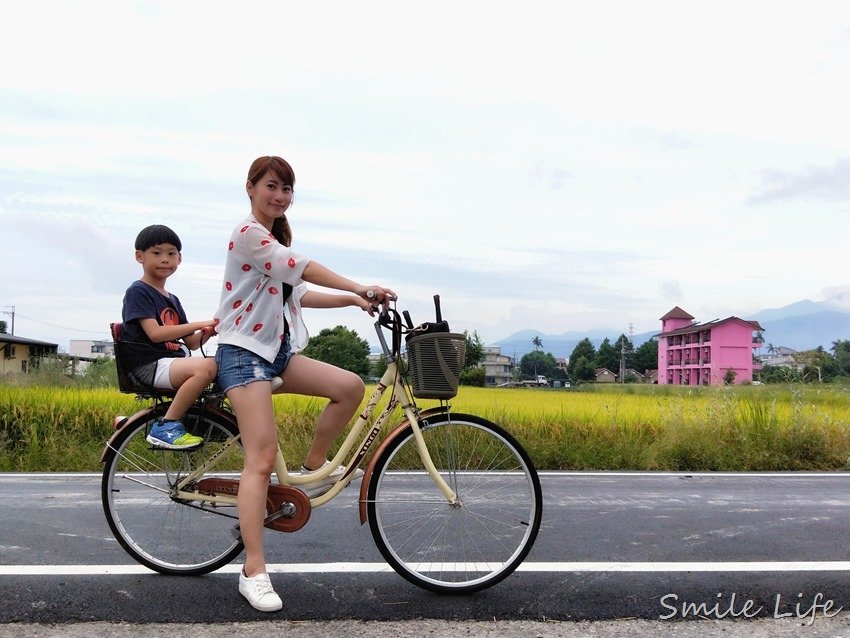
(53, 325)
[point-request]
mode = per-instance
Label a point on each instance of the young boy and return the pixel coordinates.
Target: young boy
(153, 322)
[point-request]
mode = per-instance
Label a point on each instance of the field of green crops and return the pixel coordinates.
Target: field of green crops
(595, 428)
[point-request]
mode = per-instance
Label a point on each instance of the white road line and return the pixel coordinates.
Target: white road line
(546, 473)
(370, 568)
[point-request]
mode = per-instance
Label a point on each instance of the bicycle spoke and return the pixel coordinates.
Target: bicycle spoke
(462, 546)
(163, 532)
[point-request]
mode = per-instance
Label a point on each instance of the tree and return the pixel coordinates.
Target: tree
(378, 367)
(3, 327)
(584, 348)
(841, 354)
(729, 377)
(646, 356)
(818, 365)
(473, 373)
(340, 347)
(538, 343)
(474, 350)
(537, 362)
(779, 374)
(583, 370)
(607, 356)
(473, 376)
(624, 344)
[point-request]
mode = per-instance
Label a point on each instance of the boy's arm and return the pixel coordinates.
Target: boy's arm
(197, 339)
(186, 331)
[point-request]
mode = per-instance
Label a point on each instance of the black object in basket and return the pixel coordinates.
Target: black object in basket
(435, 357)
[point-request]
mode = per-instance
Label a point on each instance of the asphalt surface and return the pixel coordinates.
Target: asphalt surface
(616, 553)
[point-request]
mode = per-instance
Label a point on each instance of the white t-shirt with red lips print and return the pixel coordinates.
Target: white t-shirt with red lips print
(251, 312)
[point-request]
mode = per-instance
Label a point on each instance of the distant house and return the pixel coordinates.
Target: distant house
(780, 356)
(708, 353)
(498, 367)
(82, 352)
(638, 377)
(650, 376)
(604, 375)
(91, 349)
(18, 354)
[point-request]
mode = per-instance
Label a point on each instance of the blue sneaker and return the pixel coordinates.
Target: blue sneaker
(172, 436)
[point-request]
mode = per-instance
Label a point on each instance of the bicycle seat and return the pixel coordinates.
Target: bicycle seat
(127, 381)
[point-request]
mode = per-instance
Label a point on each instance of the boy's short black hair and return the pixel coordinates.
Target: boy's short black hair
(157, 234)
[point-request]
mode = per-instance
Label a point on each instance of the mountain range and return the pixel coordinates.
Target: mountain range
(802, 325)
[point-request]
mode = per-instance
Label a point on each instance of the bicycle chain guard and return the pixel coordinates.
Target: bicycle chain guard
(288, 507)
(280, 497)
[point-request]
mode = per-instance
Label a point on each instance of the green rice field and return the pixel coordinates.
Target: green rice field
(631, 427)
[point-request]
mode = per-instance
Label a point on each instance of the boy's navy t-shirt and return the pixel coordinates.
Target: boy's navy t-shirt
(142, 301)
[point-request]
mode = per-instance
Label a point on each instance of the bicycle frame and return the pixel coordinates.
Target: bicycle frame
(399, 397)
(465, 528)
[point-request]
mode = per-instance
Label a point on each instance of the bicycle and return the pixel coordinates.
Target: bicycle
(453, 501)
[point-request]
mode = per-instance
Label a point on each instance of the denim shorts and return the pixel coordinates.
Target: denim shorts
(238, 366)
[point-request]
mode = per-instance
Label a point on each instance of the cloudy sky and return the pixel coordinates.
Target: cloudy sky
(549, 165)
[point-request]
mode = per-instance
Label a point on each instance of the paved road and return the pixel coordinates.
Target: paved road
(643, 546)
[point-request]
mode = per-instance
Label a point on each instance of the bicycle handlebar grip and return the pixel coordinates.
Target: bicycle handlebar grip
(407, 319)
(437, 308)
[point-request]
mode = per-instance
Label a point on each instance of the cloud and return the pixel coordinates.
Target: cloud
(552, 177)
(666, 140)
(825, 183)
(671, 291)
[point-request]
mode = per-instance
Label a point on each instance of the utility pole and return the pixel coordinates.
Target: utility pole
(12, 314)
(625, 351)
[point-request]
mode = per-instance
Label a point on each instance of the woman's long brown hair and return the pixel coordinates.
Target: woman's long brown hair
(281, 169)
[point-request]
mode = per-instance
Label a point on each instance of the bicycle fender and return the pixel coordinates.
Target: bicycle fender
(367, 475)
(121, 424)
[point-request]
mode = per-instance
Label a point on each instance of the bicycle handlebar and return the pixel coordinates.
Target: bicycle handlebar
(389, 318)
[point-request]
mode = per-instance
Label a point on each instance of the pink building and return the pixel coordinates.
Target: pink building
(702, 353)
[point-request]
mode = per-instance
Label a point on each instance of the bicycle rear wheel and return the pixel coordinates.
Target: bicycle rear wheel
(463, 547)
(162, 532)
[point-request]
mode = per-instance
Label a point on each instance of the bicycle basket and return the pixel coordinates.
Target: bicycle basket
(435, 361)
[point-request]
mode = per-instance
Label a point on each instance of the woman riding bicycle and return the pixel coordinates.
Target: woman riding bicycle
(256, 339)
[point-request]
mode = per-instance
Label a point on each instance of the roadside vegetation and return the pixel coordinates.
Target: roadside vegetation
(54, 423)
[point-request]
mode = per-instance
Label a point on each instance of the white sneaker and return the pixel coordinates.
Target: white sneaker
(259, 592)
(320, 486)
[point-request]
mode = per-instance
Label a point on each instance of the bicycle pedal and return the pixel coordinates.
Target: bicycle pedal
(236, 533)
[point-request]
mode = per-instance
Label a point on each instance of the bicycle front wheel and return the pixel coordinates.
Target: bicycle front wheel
(161, 531)
(455, 547)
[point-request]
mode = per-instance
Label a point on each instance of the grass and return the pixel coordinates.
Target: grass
(789, 427)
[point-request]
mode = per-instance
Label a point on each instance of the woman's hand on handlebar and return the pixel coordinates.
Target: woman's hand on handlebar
(375, 296)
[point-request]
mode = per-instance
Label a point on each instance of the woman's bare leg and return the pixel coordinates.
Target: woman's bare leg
(253, 408)
(344, 389)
